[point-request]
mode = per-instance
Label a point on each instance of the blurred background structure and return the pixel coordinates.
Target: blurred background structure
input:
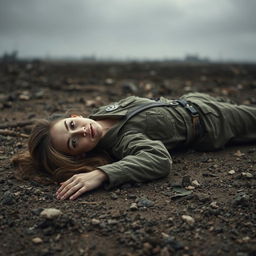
(198, 30)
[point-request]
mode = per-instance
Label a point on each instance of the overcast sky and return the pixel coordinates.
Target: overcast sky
(218, 29)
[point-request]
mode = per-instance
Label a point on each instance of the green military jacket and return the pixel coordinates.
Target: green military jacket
(141, 145)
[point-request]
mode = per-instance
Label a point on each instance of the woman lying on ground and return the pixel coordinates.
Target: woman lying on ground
(130, 140)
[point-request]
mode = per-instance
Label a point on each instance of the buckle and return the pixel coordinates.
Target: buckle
(174, 103)
(191, 109)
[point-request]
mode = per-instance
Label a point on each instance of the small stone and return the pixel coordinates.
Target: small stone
(25, 95)
(202, 197)
(195, 183)
(164, 235)
(109, 81)
(144, 202)
(114, 196)
(95, 222)
(50, 213)
(37, 240)
(188, 219)
(238, 153)
(112, 222)
(231, 172)
(241, 199)
(40, 94)
(8, 198)
(133, 207)
(147, 246)
(170, 220)
(247, 175)
(246, 239)
(190, 187)
(214, 205)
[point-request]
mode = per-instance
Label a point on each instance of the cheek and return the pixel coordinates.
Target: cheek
(86, 145)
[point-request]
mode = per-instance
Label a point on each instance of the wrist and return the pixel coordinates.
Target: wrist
(102, 175)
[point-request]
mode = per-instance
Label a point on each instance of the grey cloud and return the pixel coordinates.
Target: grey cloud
(129, 28)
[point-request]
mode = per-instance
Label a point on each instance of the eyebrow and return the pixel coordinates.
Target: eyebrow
(68, 141)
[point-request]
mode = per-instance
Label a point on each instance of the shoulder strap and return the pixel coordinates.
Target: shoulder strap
(144, 107)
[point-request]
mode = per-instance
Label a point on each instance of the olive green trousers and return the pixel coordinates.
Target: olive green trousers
(224, 122)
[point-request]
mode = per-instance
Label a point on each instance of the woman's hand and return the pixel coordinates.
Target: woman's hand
(81, 183)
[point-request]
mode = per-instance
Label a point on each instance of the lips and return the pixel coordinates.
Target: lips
(92, 131)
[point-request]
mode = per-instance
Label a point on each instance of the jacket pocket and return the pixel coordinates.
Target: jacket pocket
(156, 125)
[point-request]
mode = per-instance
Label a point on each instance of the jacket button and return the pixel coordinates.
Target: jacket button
(112, 107)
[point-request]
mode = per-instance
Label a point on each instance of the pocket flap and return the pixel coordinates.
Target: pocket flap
(127, 101)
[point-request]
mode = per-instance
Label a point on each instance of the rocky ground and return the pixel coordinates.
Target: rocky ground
(207, 206)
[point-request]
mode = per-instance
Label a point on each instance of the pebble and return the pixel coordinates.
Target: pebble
(144, 202)
(195, 183)
(238, 153)
(95, 222)
(246, 239)
(190, 220)
(241, 199)
(109, 81)
(25, 95)
(190, 187)
(147, 246)
(114, 196)
(50, 213)
(112, 222)
(170, 220)
(40, 94)
(231, 172)
(37, 240)
(8, 198)
(247, 175)
(133, 207)
(214, 205)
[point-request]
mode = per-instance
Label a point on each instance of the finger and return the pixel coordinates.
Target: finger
(64, 184)
(66, 188)
(71, 191)
(81, 191)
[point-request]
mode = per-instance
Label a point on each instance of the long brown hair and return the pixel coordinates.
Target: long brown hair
(43, 163)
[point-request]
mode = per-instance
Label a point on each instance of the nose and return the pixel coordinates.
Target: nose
(82, 131)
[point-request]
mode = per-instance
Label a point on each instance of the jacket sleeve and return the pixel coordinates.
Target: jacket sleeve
(142, 159)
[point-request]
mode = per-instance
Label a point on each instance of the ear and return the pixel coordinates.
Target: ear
(74, 115)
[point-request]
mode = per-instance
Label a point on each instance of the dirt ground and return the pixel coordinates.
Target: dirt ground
(207, 206)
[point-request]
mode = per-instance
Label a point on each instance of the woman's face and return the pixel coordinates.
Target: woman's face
(75, 135)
